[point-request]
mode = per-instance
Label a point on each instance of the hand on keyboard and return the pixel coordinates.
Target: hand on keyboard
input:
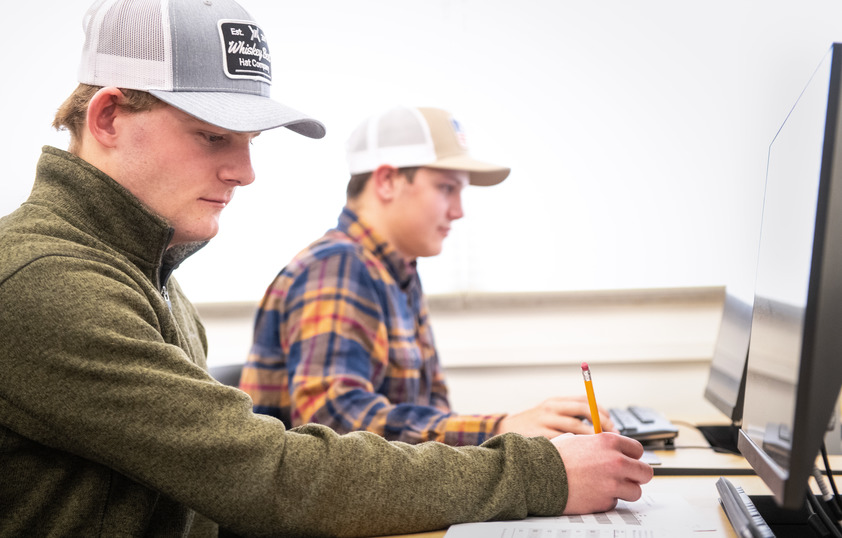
(555, 416)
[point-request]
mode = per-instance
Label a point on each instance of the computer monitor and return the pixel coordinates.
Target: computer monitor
(794, 370)
(727, 375)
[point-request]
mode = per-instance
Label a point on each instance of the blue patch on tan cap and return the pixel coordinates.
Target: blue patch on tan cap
(460, 134)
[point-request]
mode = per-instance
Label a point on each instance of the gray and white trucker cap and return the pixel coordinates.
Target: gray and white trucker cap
(207, 58)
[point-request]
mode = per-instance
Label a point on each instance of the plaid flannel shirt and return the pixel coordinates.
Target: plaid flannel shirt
(342, 338)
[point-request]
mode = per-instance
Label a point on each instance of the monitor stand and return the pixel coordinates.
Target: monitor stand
(722, 438)
(784, 523)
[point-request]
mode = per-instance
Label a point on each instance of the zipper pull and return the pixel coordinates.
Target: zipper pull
(166, 296)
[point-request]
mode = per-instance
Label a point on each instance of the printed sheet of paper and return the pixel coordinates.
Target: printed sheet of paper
(661, 516)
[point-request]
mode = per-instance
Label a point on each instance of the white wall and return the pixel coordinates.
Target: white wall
(509, 352)
(637, 131)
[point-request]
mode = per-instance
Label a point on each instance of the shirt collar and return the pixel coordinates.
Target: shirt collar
(402, 270)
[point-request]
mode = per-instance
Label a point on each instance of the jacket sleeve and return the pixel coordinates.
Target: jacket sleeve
(86, 371)
(459, 429)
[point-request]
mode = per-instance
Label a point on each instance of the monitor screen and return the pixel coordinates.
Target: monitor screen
(726, 379)
(793, 371)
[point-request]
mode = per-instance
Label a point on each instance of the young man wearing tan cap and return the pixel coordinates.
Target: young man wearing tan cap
(343, 337)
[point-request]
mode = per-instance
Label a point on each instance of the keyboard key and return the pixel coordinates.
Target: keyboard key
(643, 414)
(644, 424)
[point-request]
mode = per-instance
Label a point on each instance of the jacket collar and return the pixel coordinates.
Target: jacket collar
(97, 205)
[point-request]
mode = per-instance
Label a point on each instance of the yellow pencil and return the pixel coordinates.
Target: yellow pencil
(586, 373)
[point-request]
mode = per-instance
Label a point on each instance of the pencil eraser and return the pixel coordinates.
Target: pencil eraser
(584, 366)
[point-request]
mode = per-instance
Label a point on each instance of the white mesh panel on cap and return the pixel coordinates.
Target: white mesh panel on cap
(398, 137)
(121, 21)
(358, 141)
(127, 45)
(401, 127)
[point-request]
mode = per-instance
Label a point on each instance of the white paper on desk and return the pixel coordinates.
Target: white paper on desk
(664, 516)
(650, 457)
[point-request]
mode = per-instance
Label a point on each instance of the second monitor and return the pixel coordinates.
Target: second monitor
(727, 376)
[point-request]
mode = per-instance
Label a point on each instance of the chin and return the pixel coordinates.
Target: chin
(195, 237)
(431, 252)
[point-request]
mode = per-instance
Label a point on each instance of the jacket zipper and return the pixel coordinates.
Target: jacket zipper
(166, 296)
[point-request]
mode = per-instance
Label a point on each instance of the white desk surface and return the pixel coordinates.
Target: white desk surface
(691, 470)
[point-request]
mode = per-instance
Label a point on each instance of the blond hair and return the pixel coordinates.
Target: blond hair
(71, 115)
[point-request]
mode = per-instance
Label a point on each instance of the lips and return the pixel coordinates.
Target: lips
(221, 201)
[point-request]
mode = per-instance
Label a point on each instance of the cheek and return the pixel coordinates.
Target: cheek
(148, 155)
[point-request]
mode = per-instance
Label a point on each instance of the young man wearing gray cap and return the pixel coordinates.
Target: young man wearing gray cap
(343, 337)
(109, 423)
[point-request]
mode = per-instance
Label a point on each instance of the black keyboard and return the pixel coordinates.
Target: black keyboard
(643, 423)
(743, 515)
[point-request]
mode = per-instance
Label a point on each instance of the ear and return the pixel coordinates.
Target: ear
(384, 182)
(102, 112)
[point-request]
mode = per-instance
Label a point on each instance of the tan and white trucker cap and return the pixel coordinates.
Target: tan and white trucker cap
(405, 136)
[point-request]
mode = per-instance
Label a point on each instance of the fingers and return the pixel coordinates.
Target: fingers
(574, 425)
(630, 447)
(630, 489)
(554, 416)
(601, 469)
(607, 423)
(579, 401)
(574, 407)
(635, 472)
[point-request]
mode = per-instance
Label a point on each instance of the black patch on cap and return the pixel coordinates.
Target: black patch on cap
(245, 52)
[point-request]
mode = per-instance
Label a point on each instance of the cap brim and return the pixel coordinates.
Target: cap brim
(241, 112)
(480, 173)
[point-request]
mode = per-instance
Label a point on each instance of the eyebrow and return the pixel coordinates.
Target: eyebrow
(457, 179)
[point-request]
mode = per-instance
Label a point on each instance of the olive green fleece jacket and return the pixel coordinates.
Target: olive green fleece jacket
(110, 425)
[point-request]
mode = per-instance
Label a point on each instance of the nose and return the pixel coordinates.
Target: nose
(237, 168)
(455, 211)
